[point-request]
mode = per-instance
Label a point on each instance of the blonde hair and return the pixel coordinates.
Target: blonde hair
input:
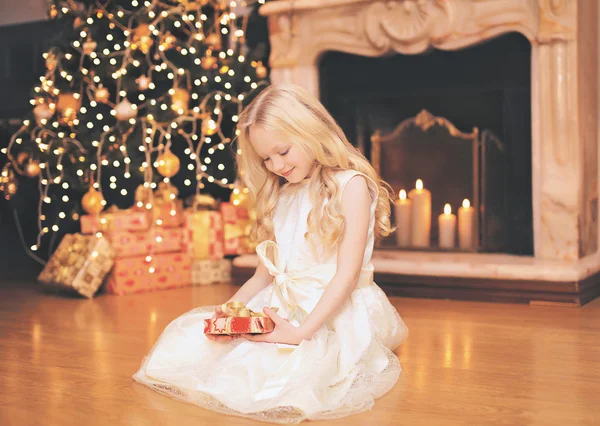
(294, 112)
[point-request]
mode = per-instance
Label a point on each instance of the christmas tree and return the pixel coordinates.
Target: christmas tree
(135, 93)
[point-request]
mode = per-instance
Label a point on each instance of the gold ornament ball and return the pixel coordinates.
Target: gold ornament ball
(51, 62)
(92, 202)
(209, 127)
(142, 38)
(102, 95)
(168, 164)
(78, 22)
(143, 82)
(53, 12)
(89, 46)
(261, 71)
(168, 40)
(68, 105)
(214, 40)
(11, 188)
(32, 169)
(42, 112)
(8, 183)
(125, 110)
(180, 100)
(142, 30)
(209, 62)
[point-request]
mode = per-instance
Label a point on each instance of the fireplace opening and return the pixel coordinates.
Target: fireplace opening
(483, 90)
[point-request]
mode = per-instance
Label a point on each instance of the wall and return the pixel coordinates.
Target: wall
(20, 11)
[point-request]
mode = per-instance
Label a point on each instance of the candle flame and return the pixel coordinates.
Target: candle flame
(402, 194)
(419, 184)
(466, 203)
(447, 209)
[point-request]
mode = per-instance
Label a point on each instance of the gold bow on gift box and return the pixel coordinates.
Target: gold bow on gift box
(199, 202)
(239, 309)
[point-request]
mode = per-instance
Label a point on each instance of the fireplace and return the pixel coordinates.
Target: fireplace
(482, 152)
(558, 169)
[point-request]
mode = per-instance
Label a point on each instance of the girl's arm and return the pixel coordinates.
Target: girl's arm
(356, 202)
(259, 280)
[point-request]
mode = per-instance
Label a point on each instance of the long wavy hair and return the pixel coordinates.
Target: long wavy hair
(295, 113)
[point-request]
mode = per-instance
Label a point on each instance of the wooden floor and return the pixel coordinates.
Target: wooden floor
(67, 361)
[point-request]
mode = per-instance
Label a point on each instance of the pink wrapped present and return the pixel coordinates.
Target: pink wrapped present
(156, 240)
(169, 215)
(115, 219)
(133, 274)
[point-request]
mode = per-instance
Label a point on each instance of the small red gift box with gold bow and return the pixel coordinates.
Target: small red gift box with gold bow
(239, 320)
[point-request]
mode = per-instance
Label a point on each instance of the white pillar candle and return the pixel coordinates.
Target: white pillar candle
(447, 228)
(421, 215)
(466, 226)
(402, 209)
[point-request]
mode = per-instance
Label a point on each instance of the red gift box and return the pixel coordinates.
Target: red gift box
(133, 274)
(238, 325)
(154, 241)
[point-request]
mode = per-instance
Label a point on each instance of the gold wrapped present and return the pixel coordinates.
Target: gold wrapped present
(236, 230)
(163, 206)
(79, 264)
(204, 234)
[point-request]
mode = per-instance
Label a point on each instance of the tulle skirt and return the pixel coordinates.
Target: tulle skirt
(340, 371)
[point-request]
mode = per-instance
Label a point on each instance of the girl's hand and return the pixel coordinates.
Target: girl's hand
(220, 338)
(284, 332)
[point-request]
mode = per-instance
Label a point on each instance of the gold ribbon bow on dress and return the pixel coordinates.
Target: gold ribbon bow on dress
(299, 291)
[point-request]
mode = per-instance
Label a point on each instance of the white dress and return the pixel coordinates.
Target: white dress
(340, 371)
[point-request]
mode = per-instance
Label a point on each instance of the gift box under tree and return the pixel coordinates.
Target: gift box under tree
(156, 240)
(204, 234)
(210, 271)
(115, 219)
(149, 273)
(79, 264)
(236, 229)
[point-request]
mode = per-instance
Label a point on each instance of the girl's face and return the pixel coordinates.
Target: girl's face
(279, 155)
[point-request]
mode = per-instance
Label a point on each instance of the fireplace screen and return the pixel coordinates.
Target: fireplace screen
(461, 205)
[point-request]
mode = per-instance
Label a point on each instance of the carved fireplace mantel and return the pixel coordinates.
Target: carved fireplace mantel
(564, 93)
(302, 30)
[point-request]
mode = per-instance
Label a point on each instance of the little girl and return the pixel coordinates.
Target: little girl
(320, 207)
